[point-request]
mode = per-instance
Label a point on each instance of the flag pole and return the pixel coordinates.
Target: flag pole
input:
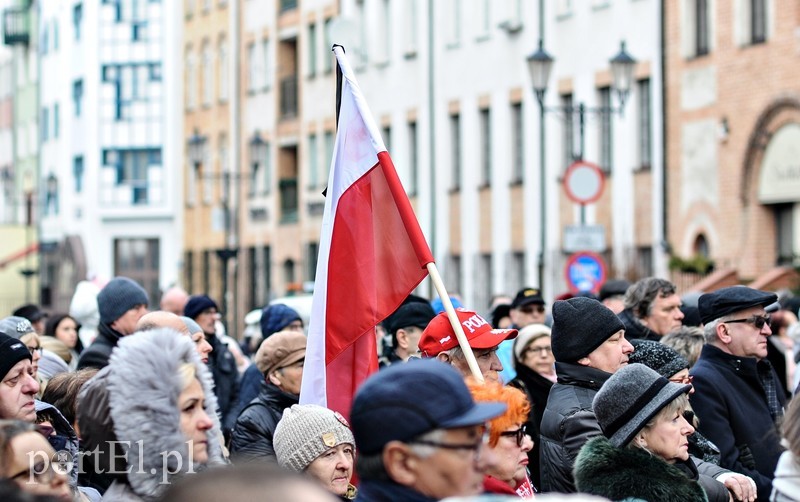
(454, 322)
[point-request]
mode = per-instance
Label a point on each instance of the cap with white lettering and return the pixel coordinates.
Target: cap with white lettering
(439, 336)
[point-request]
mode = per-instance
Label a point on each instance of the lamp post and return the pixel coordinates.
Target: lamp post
(540, 65)
(258, 153)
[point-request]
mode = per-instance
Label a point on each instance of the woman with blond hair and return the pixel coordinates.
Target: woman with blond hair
(508, 440)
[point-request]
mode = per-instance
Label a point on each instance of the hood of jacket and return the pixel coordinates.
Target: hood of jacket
(620, 473)
(66, 433)
(143, 389)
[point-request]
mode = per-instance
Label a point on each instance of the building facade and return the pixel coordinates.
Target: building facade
(109, 145)
(734, 184)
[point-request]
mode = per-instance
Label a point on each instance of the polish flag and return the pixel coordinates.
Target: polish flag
(372, 254)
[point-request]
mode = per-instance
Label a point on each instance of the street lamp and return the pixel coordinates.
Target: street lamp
(540, 65)
(258, 152)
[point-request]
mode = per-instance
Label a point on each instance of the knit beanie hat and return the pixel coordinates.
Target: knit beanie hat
(631, 398)
(119, 296)
(12, 351)
(305, 432)
(198, 303)
(657, 356)
(580, 325)
(527, 336)
(276, 317)
(16, 327)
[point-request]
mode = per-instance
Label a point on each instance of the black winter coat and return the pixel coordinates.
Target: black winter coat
(96, 356)
(568, 423)
(537, 388)
(620, 473)
(226, 383)
(730, 402)
(634, 329)
(252, 437)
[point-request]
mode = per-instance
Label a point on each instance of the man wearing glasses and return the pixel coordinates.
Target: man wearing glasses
(419, 434)
(528, 307)
(737, 396)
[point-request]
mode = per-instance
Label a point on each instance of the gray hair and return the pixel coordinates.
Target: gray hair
(370, 466)
(640, 296)
(710, 330)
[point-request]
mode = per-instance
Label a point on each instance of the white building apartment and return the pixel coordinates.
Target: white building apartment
(110, 135)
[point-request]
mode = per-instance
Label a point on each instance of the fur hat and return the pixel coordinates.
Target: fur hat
(655, 355)
(305, 432)
(12, 351)
(631, 398)
(197, 304)
(119, 296)
(580, 325)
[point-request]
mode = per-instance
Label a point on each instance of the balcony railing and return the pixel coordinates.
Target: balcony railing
(16, 26)
(289, 97)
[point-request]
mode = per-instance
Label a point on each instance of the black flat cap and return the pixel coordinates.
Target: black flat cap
(726, 301)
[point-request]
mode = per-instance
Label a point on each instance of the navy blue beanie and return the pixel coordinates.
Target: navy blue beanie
(119, 296)
(276, 317)
(197, 304)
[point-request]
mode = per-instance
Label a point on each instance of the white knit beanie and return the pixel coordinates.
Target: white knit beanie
(305, 432)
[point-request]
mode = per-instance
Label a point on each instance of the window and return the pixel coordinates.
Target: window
(208, 74)
(455, 151)
(288, 273)
(413, 159)
(383, 42)
(516, 277)
(701, 31)
(360, 52)
(206, 268)
(386, 134)
(45, 125)
(56, 120)
(252, 68)
(188, 270)
(645, 124)
(483, 20)
(328, 150)
(77, 96)
(191, 79)
(410, 28)
(605, 129)
(131, 170)
(517, 143)
(223, 70)
(55, 34)
(311, 260)
(77, 19)
(266, 70)
(312, 49)
(51, 195)
(483, 286)
(313, 162)
(568, 139)
(138, 259)
(486, 147)
(327, 60)
(288, 189)
(758, 21)
(453, 22)
(266, 175)
(77, 173)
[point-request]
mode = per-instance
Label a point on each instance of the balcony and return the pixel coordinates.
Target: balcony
(289, 97)
(16, 26)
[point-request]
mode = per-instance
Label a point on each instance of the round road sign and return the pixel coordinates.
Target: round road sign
(583, 182)
(585, 271)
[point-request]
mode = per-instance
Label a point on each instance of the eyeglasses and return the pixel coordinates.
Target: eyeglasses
(34, 350)
(539, 309)
(758, 321)
(473, 447)
(539, 350)
(518, 434)
(684, 380)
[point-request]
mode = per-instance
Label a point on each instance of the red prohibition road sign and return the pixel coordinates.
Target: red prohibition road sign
(584, 182)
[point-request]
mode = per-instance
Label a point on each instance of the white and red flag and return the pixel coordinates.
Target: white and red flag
(372, 254)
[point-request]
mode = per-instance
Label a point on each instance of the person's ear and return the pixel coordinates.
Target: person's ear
(723, 334)
(400, 464)
(274, 378)
(402, 339)
(584, 361)
(444, 357)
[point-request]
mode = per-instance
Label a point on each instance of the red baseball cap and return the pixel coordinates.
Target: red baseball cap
(438, 336)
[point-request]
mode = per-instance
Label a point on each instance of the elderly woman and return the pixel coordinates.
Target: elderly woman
(645, 451)
(536, 373)
(509, 441)
(318, 442)
(156, 396)
(27, 459)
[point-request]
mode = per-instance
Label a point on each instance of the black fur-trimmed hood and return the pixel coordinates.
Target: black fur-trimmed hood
(144, 386)
(619, 473)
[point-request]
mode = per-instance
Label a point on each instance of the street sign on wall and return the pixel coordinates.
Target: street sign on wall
(584, 238)
(585, 271)
(584, 182)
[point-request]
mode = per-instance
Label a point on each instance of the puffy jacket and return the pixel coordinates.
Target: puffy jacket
(568, 423)
(252, 437)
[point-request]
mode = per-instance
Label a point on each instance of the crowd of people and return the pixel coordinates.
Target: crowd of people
(636, 393)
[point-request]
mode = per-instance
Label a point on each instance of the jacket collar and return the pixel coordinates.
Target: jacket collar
(277, 398)
(742, 365)
(634, 329)
(371, 490)
(580, 375)
(106, 331)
